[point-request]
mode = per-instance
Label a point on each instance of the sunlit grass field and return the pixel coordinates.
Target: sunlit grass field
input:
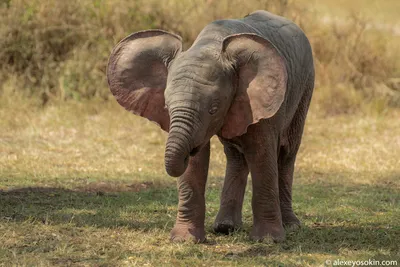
(377, 11)
(84, 184)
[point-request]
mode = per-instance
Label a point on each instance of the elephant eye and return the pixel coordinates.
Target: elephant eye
(213, 107)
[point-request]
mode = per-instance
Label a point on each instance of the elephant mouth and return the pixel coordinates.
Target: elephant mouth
(186, 162)
(195, 150)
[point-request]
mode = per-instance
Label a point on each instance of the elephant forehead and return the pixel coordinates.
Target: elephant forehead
(197, 66)
(183, 95)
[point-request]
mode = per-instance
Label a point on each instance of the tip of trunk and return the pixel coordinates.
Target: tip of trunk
(177, 170)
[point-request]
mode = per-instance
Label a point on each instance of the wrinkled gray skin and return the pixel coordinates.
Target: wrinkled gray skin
(250, 82)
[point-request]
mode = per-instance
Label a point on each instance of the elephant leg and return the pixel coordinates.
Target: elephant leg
(229, 216)
(262, 159)
(287, 158)
(189, 223)
(286, 168)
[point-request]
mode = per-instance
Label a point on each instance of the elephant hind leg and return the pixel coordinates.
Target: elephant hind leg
(229, 217)
(286, 168)
(287, 158)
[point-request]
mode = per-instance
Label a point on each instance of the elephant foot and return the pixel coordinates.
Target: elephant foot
(183, 233)
(226, 226)
(267, 232)
(290, 221)
(227, 222)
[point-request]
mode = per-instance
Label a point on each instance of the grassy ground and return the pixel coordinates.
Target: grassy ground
(84, 184)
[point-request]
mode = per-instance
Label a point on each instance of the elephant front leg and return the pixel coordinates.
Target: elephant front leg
(229, 216)
(189, 223)
(267, 219)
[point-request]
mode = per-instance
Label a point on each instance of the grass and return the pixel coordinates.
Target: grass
(84, 184)
(58, 50)
(377, 11)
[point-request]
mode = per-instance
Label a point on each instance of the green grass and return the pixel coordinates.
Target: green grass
(84, 184)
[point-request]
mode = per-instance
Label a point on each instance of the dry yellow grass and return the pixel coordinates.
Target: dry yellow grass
(101, 140)
(57, 50)
(84, 184)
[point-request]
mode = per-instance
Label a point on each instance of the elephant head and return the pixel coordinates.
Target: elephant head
(220, 88)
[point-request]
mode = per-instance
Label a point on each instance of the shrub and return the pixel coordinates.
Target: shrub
(58, 50)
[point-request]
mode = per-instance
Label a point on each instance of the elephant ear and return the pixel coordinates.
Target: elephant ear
(137, 73)
(261, 86)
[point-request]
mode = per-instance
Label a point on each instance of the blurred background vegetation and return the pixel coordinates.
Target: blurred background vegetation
(53, 51)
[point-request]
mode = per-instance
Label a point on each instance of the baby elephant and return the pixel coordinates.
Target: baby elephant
(250, 82)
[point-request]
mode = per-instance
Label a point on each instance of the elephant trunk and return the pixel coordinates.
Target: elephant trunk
(176, 154)
(180, 140)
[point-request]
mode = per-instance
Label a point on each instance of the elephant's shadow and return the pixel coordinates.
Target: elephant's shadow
(139, 208)
(155, 208)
